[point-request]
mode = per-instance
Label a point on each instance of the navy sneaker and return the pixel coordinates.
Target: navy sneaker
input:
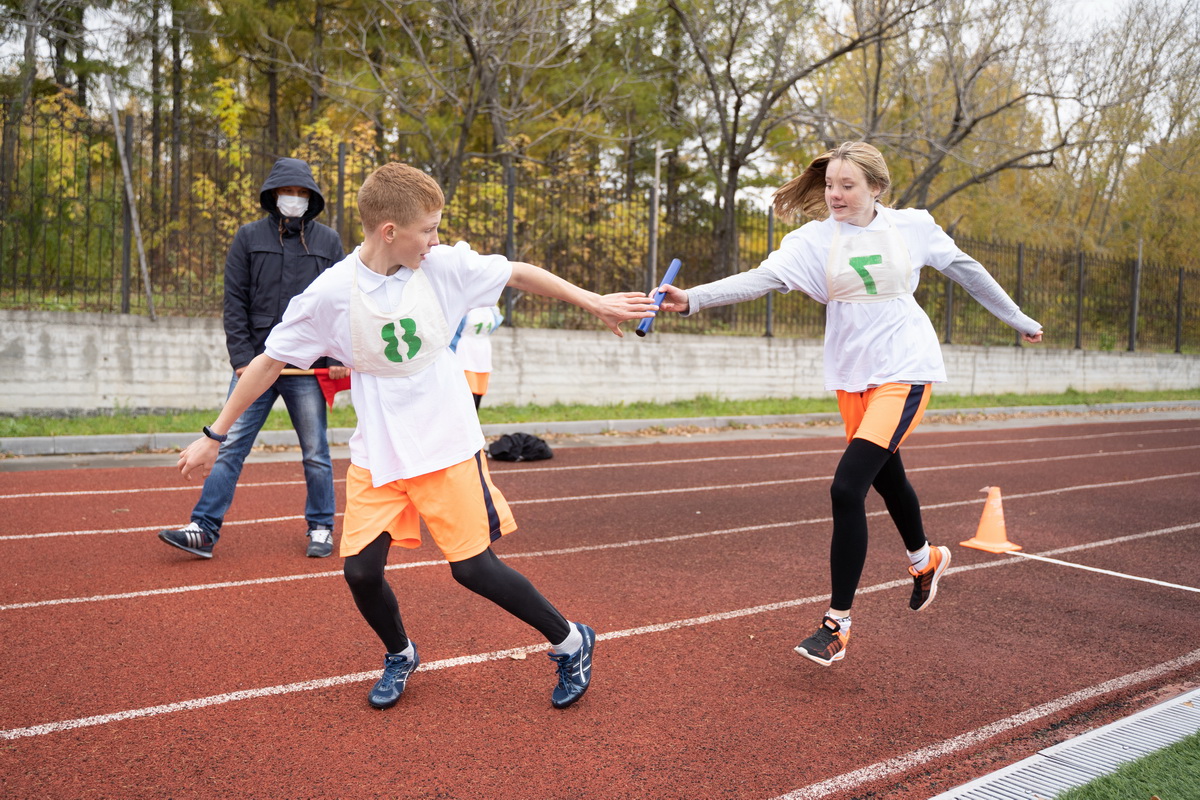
(396, 669)
(574, 670)
(192, 538)
(320, 543)
(827, 645)
(925, 584)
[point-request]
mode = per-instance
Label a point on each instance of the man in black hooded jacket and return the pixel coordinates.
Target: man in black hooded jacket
(271, 261)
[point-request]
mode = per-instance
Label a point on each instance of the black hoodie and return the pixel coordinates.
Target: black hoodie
(273, 260)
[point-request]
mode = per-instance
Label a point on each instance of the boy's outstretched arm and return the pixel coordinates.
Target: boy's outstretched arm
(255, 379)
(611, 309)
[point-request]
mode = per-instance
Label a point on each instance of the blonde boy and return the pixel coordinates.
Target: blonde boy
(417, 450)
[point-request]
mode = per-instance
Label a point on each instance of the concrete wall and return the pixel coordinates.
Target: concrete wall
(52, 362)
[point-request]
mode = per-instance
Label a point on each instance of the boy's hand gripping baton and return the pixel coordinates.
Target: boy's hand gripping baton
(644, 326)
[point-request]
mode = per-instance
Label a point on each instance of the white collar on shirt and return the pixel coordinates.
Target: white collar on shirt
(369, 280)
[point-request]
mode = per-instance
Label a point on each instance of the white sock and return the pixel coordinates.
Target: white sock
(919, 558)
(408, 652)
(843, 621)
(573, 642)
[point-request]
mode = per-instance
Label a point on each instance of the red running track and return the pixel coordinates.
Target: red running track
(133, 670)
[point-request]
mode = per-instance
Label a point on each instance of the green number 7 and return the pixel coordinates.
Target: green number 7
(860, 264)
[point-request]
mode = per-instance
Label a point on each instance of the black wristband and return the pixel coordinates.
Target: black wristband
(216, 437)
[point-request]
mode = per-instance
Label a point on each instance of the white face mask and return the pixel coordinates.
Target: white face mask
(291, 206)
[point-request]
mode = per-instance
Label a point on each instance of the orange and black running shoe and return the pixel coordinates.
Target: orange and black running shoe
(925, 583)
(827, 645)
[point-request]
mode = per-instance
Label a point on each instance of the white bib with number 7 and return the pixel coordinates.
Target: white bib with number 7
(868, 268)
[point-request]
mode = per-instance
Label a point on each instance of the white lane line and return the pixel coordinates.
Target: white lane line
(523, 470)
(144, 528)
(908, 448)
(357, 677)
(146, 490)
(922, 757)
(1132, 537)
(612, 546)
(609, 546)
(809, 479)
(1126, 576)
(323, 683)
(408, 565)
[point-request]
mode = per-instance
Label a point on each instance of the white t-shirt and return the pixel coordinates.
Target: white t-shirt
(407, 426)
(475, 345)
(868, 344)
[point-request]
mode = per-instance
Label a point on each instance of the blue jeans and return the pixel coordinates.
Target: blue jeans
(306, 405)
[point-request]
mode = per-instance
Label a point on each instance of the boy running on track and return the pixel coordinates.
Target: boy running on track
(863, 260)
(417, 450)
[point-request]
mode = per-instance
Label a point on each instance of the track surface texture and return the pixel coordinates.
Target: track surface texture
(133, 670)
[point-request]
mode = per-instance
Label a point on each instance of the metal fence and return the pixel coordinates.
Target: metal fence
(67, 240)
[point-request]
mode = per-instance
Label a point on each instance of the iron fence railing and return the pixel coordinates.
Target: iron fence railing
(66, 240)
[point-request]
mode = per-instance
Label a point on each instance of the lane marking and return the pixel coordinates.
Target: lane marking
(619, 545)
(921, 757)
(358, 677)
(1106, 572)
(408, 565)
(786, 481)
(651, 492)
(908, 448)
(478, 658)
(184, 488)
(501, 470)
(145, 528)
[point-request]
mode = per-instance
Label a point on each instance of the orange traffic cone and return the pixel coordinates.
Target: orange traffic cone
(991, 535)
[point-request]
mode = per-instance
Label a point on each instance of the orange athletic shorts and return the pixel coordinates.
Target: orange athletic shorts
(885, 415)
(462, 509)
(478, 381)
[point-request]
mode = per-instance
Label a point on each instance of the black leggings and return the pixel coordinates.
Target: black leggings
(864, 465)
(484, 574)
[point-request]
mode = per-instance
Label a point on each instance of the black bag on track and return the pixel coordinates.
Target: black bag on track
(520, 447)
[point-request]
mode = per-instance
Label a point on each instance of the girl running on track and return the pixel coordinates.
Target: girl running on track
(863, 260)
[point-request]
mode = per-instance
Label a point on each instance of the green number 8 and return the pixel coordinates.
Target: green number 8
(392, 351)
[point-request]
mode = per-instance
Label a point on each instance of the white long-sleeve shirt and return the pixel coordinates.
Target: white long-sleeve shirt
(869, 344)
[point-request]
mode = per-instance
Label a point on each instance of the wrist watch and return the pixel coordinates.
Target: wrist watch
(216, 437)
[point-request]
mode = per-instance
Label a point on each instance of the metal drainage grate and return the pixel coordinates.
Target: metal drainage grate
(1088, 756)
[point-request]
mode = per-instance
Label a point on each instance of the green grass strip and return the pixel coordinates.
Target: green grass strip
(1172, 773)
(120, 422)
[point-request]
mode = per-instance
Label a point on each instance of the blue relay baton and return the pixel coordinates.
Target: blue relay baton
(644, 326)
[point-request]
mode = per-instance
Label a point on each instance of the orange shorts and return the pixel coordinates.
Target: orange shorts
(885, 415)
(462, 509)
(478, 381)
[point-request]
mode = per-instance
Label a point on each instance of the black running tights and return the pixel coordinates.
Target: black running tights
(484, 574)
(864, 465)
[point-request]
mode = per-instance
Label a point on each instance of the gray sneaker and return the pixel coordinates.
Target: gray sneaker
(191, 538)
(320, 543)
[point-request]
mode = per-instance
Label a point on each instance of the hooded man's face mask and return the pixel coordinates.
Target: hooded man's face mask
(291, 206)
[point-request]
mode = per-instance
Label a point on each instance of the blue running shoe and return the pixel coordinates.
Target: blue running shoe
(396, 669)
(574, 670)
(192, 538)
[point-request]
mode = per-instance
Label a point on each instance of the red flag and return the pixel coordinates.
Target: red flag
(329, 386)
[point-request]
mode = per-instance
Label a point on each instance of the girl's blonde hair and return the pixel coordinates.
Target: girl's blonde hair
(806, 193)
(397, 193)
